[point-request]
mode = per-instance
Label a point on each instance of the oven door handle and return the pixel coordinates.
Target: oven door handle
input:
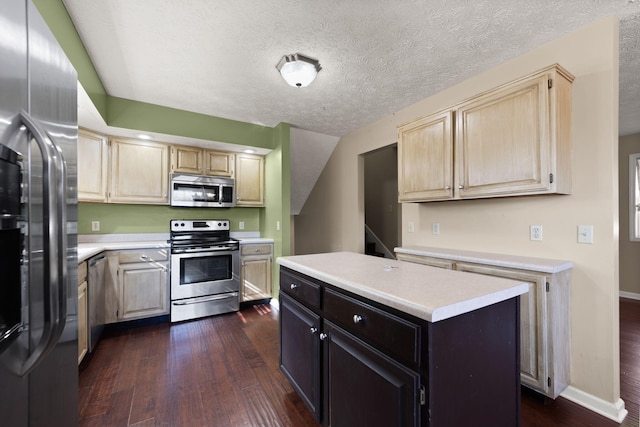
(205, 299)
(190, 251)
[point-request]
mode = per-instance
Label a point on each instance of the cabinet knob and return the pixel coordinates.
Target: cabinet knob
(448, 188)
(357, 318)
(313, 330)
(461, 187)
(294, 286)
(144, 257)
(257, 250)
(323, 336)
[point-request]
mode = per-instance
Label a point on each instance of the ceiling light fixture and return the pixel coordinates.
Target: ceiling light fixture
(298, 70)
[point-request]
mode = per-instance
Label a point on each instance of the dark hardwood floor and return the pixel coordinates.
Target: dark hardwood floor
(223, 371)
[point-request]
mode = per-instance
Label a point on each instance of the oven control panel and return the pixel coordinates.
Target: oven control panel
(200, 225)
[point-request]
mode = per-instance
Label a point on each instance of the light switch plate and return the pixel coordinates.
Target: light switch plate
(435, 228)
(411, 227)
(585, 234)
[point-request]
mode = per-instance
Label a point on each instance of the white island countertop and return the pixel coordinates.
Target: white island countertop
(429, 293)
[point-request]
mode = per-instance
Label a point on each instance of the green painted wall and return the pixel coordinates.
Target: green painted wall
(124, 113)
(132, 219)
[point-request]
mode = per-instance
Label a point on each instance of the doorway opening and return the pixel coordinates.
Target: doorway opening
(382, 212)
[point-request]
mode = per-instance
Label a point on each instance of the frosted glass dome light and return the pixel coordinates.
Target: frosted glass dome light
(298, 70)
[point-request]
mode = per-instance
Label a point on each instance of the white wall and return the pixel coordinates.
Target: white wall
(332, 218)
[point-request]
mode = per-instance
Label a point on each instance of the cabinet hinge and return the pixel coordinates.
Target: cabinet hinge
(547, 286)
(550, 83)
(548, 381)
(423, 396)
(550, 178)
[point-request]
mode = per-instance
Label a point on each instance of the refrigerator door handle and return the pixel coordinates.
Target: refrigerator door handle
(55, 237)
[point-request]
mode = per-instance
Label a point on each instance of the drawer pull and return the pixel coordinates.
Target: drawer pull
(294, 286)
(313, 330)
(357, 319)
(144, 257)
(323, 336)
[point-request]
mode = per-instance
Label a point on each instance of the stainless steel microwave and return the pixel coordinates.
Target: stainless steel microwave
(202, 191)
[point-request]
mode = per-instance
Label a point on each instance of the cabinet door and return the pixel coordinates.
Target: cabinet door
(217, 163)
(534, 348)
(83, 321)
(139, 172)
(93, 167)
(249, 180)
(503, 141)
(142, 290)
(425, 159)
(300, 351)
(186, 159)
(256, 278)
(366, 388)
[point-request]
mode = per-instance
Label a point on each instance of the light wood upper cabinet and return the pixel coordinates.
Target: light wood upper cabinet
(512, 140)
(425, 158)
(186, 159)
(200, 161)
(217, 163)
(93, 166)
(139, 172)
(249, 180)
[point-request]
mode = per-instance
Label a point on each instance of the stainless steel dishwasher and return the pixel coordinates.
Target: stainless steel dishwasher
(95, 293)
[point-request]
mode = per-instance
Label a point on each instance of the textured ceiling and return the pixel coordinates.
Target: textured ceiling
(218, 57)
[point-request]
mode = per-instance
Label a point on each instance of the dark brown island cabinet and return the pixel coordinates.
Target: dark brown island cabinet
(356, 362)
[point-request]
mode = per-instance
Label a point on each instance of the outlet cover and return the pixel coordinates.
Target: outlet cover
(412, 227)
(95, 225)
(435, 228)
(535, 232)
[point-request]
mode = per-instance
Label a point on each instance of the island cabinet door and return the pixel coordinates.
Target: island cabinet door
(364, 387)
(300, 351)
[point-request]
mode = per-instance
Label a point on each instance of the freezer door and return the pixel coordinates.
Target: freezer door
(14, 396)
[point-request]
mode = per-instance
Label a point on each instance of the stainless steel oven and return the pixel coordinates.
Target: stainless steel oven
(205, 269)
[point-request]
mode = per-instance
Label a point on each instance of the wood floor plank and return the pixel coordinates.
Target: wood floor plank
(223, 371)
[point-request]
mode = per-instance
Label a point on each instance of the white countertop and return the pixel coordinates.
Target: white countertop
(429, 293)
(90, 245)
(543, 265)
(87, 250)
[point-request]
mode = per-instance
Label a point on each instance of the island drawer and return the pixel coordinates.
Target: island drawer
(393, 335)
(146, 255)
(301, 289)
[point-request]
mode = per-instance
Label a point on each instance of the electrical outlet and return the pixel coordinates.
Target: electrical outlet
(535, 232)
(241, 225)
(411, 227)
(585, 234)
(95, 225)
(435, 228)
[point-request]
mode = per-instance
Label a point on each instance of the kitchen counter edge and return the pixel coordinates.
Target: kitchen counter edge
(428, 305)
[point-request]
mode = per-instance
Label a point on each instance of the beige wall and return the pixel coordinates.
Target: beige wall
(629, 251)
(332, 218)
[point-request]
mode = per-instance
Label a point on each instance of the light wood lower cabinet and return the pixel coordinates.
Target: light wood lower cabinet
(136, 284)
(256, 260)
(83, 319)
(545, 331)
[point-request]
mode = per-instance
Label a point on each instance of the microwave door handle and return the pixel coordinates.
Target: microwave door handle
(55, 238)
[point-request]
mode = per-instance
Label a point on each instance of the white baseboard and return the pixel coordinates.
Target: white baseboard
(629, 295)
(614, 411)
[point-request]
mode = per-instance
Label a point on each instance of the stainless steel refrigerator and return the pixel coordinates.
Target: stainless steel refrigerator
(38, 224)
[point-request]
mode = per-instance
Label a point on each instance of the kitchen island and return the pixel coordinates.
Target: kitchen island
(372, 341)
